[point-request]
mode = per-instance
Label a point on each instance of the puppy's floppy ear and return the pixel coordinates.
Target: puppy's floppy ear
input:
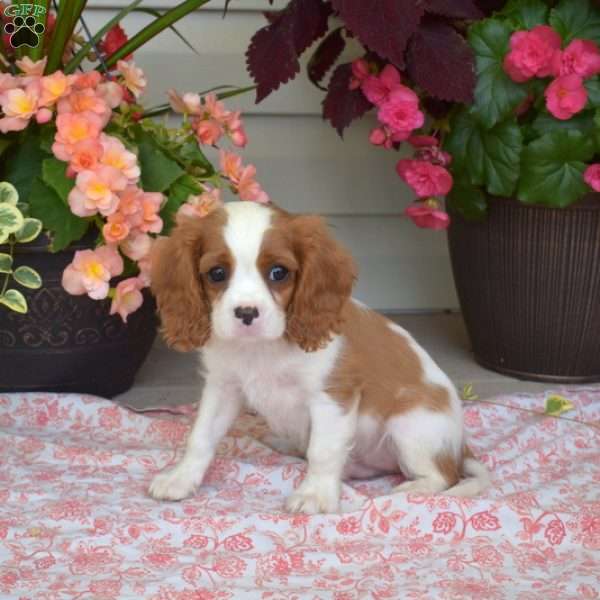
(326, 275)
(184, 311)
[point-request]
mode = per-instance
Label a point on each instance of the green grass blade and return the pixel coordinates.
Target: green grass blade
(66, 19)
(85, 49)
(156, 13)
(37, 52)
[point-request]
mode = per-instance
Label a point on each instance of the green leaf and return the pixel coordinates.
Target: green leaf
(27, 277)
(56, 216)
(576, 19)
(557, 405)
(190, 153)
(11, 219)
(468, 393)
(552, 169)
(8, 193)
(6, 261)
(14, 300)
(47, 134)
(593, 89)
(54, 175)
(29, 231)
(159, 171)
(526, 14)
(496, 95)
(4, 144)
(468, 200)
(546, 123)
(489, 156)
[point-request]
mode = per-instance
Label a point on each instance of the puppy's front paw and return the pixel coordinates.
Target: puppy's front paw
(172, 484)
(316, 496)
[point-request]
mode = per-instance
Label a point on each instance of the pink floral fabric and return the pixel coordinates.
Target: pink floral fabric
(76, 522)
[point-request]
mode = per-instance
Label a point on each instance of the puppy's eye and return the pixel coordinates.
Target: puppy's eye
(217, 274)
(278, 273)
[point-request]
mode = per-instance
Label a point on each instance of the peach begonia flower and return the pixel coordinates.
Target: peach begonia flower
(116, 155)
(111, 93)
(85, 156)
(83, 102)
(8, 82)
(91, 271)
(189, 103)
(151, 221)
(131, 204)
(201, 205)
(231, 165)
(116, 228)
(137, 246)
(19, 106)
(234, 128)
(214, 108)
(133, 77)
(32, 68)
(89, 79)
(128, 297)
(54, 87)
(208, 131)
(72, 128)
(249, 189)
(96, 191)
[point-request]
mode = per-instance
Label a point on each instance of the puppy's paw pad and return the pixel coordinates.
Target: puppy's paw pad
(312, 503)
(171, 485)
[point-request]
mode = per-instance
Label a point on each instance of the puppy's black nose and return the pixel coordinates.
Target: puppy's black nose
(246, 313)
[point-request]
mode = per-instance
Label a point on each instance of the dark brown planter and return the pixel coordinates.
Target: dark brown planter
(70, 343)
(528, 281)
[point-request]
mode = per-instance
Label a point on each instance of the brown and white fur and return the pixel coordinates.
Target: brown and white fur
(336, 382)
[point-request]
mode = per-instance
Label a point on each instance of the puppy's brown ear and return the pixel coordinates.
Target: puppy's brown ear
(324, 284)
(183, 309)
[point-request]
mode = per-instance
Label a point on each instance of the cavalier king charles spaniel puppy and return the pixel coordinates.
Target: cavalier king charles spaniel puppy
(265, 297)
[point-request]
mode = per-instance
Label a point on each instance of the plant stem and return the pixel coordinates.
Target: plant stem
(66, 19)
(7, 276)
(37, 52)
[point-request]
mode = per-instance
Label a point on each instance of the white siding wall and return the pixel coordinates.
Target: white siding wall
(301, 161)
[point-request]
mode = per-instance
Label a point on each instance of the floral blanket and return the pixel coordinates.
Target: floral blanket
(76, 522)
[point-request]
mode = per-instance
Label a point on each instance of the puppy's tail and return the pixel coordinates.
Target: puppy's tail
(476, 477)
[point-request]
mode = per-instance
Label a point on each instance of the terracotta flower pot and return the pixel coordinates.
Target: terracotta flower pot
(70, 343)
(528, 281)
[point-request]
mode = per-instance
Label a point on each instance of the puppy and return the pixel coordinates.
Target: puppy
(265, 296)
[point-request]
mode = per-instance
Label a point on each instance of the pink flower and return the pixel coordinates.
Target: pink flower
(133, 77)
(131, 204)
(116, 155)
(400, 112)
(423, 141)
(592, 176)
(208, 131)
(214, 108)
(151, 203)
(427, 216)
(113, 40)
(137, 246)
(566, 96)
(88, 79)
(360, 71)
(85, 156)
(116, 228)
(231, 165)
(96, 191)
(111, 93)
(531, 53)
(249, 189)
(72, 128)
(91, 270)
(383, 136)
(187, 104)
(54, 87)
(85, 102)
(32, 68)
(18, 106)
(234, 128)
(377, 88)
(128, 297)
(202, 205)
(424, 178)
(580, 57)
(7, 82)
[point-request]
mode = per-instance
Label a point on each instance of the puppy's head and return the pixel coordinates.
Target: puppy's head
(251, 272)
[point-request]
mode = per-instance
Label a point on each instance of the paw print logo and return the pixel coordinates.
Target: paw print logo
(24, 32)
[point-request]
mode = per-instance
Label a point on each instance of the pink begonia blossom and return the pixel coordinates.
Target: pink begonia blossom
(128, 297)
(231, 165)
(425, 178)
(87, 79)
(384, 136)
(423, 141)
(213, 108)
(248, 188)
(592, 176)
(428, 215)
(130, 204)
(116, 155)
(151, 221)
(208, 131)
(133, 77)
(85, 156)
(44, 115)
(85, 102)
(566, 96)
(400, 112)
(136, 246)
(531, 53)
(54, 87)
(189, 103)
(360, 71)
(30, 67)
(110, 92)
(19, 106)
(116, 228)
(377, 88)
(234, 129)
(145, 266)
(201, 205)
(580, 57)
(8, 82)
(91, 271)
(72, 128)
(96, 192)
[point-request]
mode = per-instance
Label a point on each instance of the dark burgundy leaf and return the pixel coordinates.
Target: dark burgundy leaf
(438, 109)
(454, 9)
(342, 105)
(271, 15)
(384, 26)
(441, 62)
(489, 6)
(272, 56)
(325, 56)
